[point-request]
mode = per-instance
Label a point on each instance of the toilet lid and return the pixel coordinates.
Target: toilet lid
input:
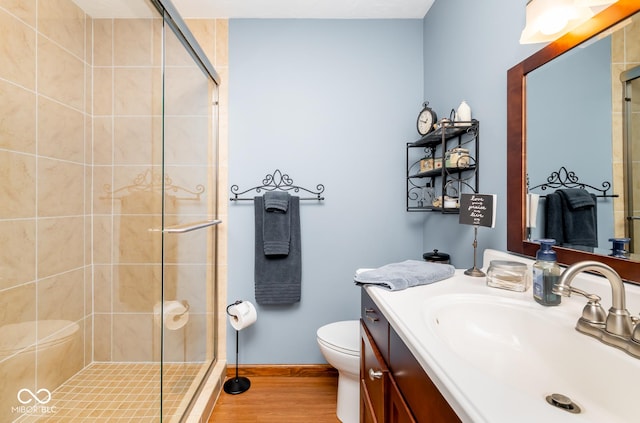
(342, 335)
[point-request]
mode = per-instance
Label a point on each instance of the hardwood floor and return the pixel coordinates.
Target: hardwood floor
(281, 395)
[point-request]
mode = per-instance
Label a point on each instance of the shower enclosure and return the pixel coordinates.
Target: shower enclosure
(108, 164)
(631, 136)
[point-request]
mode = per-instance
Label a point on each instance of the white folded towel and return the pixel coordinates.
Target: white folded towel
(532, 209)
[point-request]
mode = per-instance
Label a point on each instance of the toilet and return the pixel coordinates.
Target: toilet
(340, 345)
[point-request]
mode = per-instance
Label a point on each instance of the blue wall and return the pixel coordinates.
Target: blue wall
(468, 48)
(331, 102)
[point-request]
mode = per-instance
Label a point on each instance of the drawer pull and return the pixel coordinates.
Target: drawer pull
(368, 311)
(375, 374)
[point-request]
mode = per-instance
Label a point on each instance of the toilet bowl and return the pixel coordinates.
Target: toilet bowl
(340, 345)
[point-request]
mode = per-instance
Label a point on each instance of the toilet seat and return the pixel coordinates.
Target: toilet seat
(341, 336)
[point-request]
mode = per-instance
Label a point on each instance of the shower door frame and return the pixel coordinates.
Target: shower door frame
(174, 21)
(627, 78)
(171, 16)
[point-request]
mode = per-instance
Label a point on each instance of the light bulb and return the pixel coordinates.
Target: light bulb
(554, 20)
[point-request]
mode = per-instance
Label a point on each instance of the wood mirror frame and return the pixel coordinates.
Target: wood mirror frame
(516, 140)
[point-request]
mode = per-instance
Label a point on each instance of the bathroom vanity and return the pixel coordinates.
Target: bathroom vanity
(393, 386)
(458, 350)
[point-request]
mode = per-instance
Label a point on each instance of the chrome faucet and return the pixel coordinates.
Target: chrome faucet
(616, 328)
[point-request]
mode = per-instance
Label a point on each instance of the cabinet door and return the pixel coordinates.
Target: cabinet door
(373, 378)
(367, 413)
(422, 396)
(398, 409)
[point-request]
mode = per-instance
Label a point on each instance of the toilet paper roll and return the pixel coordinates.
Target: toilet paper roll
(175, 315)
(242, 314)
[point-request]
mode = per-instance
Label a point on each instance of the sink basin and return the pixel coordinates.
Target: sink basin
(533, 351)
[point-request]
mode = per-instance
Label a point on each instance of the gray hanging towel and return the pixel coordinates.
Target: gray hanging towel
(577, 198)
(276, 224)
(579, 217)
(278, 277)
(554, 228)
(570, 225)
(276, 201)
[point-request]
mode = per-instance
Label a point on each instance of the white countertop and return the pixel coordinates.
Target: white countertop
(475, 396)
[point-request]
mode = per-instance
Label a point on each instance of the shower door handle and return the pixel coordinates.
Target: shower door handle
(633, 217)
(188, 227)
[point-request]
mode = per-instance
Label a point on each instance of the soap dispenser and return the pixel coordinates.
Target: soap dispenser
(618, 248)
(546, 273)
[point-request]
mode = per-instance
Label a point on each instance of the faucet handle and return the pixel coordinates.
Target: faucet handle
(635, 336)
(568, 290)
(593, 312)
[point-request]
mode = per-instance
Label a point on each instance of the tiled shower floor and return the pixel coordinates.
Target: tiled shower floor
(120, 392)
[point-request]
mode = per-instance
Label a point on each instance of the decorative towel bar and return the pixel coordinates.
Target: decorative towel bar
(148, 181)
(568, 179)
(277, 181)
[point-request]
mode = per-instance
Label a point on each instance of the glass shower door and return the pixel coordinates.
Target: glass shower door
(189, 212)
(631, 125)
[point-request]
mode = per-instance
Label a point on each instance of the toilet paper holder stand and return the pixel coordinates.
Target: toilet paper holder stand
(237, 384)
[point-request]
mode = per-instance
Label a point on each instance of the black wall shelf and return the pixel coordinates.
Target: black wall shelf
(426, 188)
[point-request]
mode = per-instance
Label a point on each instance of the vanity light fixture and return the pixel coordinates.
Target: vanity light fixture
(547, 20)
(595, 3)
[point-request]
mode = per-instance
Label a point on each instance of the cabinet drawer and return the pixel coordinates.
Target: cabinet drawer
(376, 323)
(420, 394)
(373, 378)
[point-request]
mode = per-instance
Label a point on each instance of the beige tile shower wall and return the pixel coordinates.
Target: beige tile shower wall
(127, 206)
(127, 152)
(212, 35)
(58, 149)
(625, 55)
(189, 154)
(44, 233)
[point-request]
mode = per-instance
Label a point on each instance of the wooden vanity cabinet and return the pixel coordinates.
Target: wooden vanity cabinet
(393, 386)
(374, 378)
(426, 402)
(380, 399)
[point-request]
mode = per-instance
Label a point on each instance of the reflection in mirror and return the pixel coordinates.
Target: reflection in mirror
(631, 135)
(574, 127)
(569, 147)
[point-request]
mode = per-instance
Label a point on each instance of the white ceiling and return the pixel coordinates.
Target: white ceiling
(327, 9)
(291, 9)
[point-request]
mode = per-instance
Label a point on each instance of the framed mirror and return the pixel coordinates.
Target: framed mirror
(528, 77)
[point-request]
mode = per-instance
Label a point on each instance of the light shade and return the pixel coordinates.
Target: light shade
(594, 3)
(547, 20)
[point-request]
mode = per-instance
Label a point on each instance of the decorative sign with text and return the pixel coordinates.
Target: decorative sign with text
(478, 210)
